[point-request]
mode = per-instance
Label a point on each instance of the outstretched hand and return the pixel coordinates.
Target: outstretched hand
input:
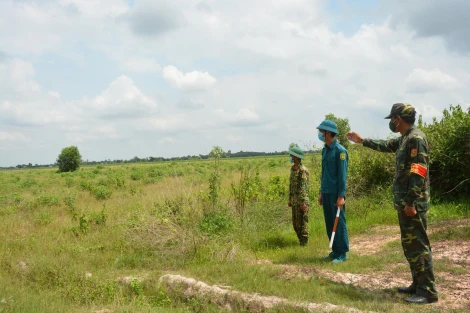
(354, 137)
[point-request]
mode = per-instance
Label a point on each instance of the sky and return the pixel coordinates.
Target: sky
(126, 78)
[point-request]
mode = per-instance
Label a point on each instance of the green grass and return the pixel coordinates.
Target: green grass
(145, 220)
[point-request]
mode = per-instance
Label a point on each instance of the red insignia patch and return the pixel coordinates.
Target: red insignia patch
(418, 169)
(414, 153)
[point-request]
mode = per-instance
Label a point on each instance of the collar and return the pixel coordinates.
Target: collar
(408, 131)
(332, 145)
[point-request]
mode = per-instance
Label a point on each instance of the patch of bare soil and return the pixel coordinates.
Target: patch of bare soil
(453, 283)
(230, 300)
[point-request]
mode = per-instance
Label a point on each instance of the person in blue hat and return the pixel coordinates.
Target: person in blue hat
(333, 188)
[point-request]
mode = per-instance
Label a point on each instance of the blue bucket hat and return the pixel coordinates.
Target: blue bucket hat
(328, 125)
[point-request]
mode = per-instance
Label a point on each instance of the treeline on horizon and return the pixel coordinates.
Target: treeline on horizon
(229, 154)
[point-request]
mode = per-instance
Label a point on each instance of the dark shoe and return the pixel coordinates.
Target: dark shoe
(420, 299)
(340, 258)
(410, 289)
(330, 256)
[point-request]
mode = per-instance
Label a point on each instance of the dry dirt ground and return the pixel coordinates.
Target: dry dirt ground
(452, 275)
(453, 282)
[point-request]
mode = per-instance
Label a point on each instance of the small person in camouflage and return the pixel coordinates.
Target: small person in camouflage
(298, 194)
(411, 197)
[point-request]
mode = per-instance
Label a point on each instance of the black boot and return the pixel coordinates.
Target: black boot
(415, 299)
(410, 289)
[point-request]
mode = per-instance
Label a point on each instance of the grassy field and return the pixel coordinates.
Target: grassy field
(98, 239)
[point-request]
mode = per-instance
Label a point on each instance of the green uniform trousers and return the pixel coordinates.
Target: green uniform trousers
(300, 223)
(417, 251)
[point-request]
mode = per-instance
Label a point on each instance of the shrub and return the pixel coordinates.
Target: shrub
(69, 159)
(449, 151)
(368, 169)
(101, 192)
(215, 222)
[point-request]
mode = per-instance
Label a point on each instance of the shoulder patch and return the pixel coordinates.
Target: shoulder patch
(342, 156)
(414, 153)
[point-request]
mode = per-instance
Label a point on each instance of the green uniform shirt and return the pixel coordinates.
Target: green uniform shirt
(411, 181)
(334, 169)
(298, 185)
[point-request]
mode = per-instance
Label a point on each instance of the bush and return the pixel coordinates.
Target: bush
(69, 159)
(449, 151)
(368, 169)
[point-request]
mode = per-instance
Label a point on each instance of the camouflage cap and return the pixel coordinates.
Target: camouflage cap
(404, 110)
(296, 151)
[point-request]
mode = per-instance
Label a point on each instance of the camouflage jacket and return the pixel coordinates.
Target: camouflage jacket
(298, 185)
(411, 181)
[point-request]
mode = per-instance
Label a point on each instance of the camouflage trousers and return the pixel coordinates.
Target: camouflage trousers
(300, 223)
(417, 249)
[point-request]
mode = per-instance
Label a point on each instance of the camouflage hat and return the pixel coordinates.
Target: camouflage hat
(404, 110)
(296, 151)
(328, 125)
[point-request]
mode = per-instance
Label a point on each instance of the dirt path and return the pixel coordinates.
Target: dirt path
(453, 279)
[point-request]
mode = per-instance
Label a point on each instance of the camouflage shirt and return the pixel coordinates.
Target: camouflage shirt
(411, 181)
(298, 185)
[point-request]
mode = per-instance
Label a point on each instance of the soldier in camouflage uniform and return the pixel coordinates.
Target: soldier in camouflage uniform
(298, 194)
(411, 197)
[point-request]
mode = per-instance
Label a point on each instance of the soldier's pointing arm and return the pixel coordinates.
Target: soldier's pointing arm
(390, 145)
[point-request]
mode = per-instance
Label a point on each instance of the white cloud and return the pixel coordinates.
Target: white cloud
(365, 103)
(54, 94)
(166, 124)
(167, 140)
(247, 115)
(421, 81)
(233, 138)
(244, 117)
(96, 8)
(257, 75)
(121, 99)
(140, 65)
(191, 81)
(12, 136)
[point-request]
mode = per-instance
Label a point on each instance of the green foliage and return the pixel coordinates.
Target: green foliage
(276, 188)
(214, 189)
(248, 188)
(343, 128)
(101, 192)
(145, 230)
(450, 152)
(136, 174)
(216, 222)
(47, 200)
(69, 159)
(215, 178)
(369, 169)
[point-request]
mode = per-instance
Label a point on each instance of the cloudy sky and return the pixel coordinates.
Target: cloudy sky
(125, 78)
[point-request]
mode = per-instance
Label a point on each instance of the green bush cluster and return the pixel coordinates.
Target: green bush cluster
(449, 141)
